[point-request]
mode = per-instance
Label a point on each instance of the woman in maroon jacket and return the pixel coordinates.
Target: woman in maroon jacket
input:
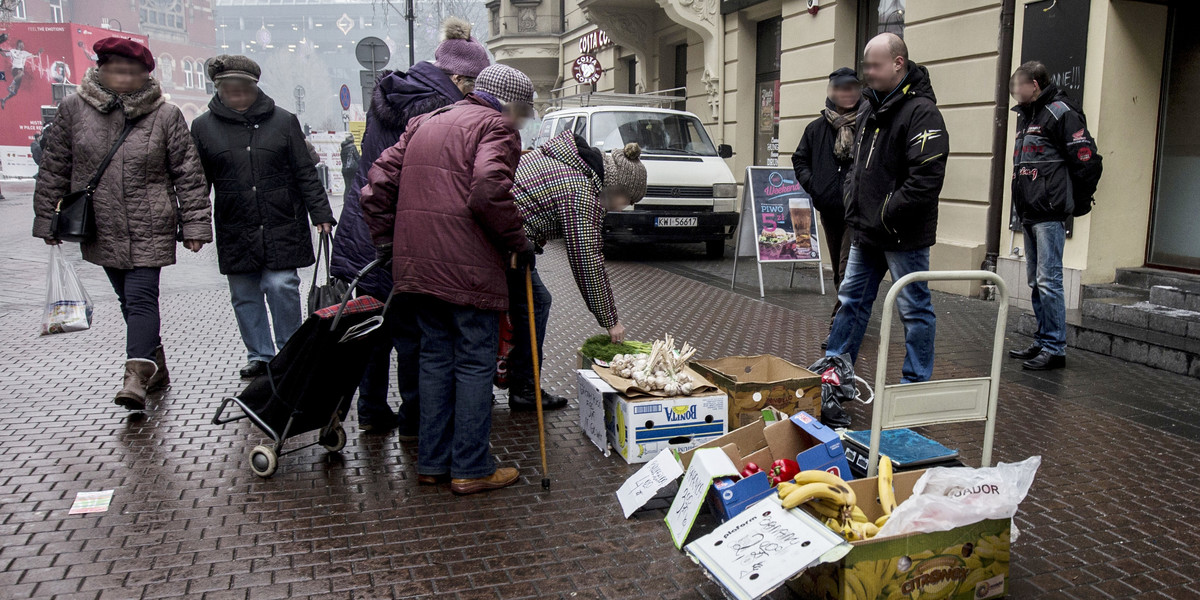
(440, 203)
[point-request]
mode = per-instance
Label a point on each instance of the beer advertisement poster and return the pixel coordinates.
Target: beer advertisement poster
(784, 218)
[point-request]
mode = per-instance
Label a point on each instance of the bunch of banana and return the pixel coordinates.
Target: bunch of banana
(828, 498)
(816, 485)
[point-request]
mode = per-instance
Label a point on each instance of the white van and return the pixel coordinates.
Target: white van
(691, 196)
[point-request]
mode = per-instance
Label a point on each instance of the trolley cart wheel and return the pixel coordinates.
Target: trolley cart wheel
(334, 440)
(263, 461)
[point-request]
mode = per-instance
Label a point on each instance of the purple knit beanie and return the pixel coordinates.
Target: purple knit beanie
(459, 53)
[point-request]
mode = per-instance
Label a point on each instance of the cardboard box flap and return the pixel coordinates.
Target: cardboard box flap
(824, 435)
(763, 369)
(630, 390)
(748, 440)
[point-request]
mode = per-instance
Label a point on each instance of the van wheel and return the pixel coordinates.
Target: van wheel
(715, 249)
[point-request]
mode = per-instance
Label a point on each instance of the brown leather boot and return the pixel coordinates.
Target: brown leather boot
(138, 372)
(503, 477)
(161, 377)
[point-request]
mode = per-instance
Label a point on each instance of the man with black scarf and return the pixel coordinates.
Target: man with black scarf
(821, 161)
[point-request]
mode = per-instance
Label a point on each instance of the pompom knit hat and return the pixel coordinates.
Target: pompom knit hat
(624, 171)
(459, 53)
(506, 84)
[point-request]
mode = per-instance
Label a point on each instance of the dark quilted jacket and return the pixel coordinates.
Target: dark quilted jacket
(266, 184)
(397, 98)
(135, 202)
(443, 196)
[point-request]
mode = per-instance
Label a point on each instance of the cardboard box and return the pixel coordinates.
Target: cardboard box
(638, 429)
(802, 438)
(592, 420)
(965, 563)
(757, 382)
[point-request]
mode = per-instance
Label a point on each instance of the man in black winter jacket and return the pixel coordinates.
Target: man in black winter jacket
(891, 200)
(267, 190)
(824, 156)
(1056, 169)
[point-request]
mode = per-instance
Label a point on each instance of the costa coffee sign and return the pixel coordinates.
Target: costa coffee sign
(594, 41)
(587, 69)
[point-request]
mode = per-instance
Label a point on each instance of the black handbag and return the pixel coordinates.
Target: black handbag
(334, 290)
(75, 216)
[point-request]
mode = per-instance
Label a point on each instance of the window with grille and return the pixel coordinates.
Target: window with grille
(164, 14)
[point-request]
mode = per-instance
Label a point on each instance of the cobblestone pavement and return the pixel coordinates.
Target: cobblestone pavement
(1109, 517)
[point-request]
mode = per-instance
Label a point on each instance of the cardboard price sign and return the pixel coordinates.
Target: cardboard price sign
(653, 476)
(707, 464)
(763, 547)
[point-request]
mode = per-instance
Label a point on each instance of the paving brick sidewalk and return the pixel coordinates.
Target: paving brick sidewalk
(1110, 514)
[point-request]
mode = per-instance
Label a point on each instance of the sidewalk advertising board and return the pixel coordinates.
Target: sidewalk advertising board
(783, 223)
(34, 59)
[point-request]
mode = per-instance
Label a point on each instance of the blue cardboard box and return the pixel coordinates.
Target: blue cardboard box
(802, 438)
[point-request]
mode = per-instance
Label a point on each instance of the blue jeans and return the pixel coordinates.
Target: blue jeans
(281, 290)
(520, 365)
(864, 272)
(373, 390)
(458, 363)
(1043, 267)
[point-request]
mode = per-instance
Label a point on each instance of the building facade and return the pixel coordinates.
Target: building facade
(755, 71)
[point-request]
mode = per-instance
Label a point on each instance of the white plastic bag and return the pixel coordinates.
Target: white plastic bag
(68, 306)
(945, 498)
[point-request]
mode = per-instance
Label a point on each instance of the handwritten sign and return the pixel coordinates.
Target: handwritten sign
(760, 549)
(653, 476)
(591, 408)
(706, 464)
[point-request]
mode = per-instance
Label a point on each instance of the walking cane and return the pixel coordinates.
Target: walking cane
(537, 376)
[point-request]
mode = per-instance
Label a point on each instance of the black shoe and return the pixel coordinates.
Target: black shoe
(378, 425)
(1031, 352)
(253, 369)
(528, 402)
(1045, 361)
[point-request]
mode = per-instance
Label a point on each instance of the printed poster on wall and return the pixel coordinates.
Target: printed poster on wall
(784, 218)
(34, 58)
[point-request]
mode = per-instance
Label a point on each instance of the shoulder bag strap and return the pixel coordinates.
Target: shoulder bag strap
(129, 124)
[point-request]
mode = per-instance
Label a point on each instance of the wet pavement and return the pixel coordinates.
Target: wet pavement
(1111, 514)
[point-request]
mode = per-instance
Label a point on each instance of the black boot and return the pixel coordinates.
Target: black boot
(522, 401)
(1046, 362)
(1031, 352)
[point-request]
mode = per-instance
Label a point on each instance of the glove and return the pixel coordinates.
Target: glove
(383, 251)
(526, 258)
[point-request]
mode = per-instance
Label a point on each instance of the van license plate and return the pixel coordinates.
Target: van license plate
(676, 221)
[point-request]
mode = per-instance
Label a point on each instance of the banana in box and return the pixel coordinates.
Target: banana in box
(965, 563)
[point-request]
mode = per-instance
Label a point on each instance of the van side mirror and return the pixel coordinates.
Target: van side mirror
(725, 151)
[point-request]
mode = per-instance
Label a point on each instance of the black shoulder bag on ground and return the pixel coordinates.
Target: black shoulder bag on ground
(331, 293)
(75, 217)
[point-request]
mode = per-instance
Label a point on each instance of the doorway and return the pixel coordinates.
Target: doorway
(766, 106)
(1173, 240)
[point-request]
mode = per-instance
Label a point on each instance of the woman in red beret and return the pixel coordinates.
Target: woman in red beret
(152, 192)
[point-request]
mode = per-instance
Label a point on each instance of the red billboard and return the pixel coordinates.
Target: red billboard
(34, 57)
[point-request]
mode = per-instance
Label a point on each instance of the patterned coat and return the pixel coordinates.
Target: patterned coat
(559, 196)
(154, 181)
